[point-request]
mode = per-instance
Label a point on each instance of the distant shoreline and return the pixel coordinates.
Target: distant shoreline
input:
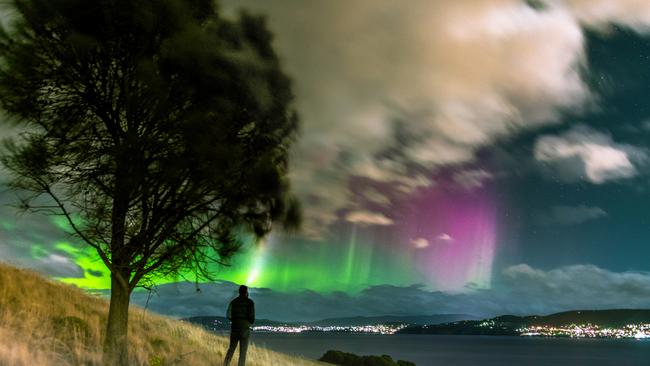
(615, 324)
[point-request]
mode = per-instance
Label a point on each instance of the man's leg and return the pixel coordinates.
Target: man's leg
(234, 338)
(243, 347)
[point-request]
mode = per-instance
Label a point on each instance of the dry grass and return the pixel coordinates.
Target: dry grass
(43, 322)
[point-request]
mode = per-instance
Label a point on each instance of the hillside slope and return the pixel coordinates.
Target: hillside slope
(43, 322)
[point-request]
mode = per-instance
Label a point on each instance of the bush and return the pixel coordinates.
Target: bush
(405, 363)
(350, 359)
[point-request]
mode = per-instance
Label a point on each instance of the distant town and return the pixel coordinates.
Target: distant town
(614, 324)
(368, 329)
(637, 331)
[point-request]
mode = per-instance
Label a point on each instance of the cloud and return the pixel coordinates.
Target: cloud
(359, 67)
(470, 179)
(368, 218)
(570, 215)
(420, 243)
(19, 231)
(373, 196)
(445, 237)
(576, 287)
(56, 265)
(522, 290)
(31, 239)
(586, 154)
(600, 13)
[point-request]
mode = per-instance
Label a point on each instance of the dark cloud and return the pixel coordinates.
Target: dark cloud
(95, 273)
(522, 290)
(529, 290)
(23, 233)
(30, 240)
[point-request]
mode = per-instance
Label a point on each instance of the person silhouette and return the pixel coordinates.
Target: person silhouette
(241, 313)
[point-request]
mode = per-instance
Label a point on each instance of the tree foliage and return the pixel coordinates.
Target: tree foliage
(162, 125)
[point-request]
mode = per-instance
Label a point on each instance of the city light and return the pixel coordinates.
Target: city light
(368, 329)
(636, 331)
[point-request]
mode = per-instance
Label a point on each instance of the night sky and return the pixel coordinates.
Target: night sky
(477, 157)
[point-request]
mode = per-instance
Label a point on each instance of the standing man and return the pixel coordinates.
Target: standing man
(241, 313)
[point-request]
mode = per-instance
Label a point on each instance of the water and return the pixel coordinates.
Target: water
(437, 350)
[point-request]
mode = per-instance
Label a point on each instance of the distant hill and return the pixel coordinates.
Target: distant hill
(609, 318)
(394, 319)
(508, 324)
(48, 323)
(220, 323)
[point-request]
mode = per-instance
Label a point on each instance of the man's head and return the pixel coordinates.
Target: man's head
(243, 291)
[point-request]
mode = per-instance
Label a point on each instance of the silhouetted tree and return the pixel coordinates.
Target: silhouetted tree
(158, 128)
(350, 359)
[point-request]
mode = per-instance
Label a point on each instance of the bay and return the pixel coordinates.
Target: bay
(436, 350)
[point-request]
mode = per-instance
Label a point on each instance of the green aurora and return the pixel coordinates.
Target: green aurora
(304, 265)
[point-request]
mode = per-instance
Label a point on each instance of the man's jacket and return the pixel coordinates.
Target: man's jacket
(241, 312)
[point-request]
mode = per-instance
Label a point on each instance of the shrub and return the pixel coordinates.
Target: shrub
(350, 359)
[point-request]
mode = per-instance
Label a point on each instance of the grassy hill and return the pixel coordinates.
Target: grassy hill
(43, 322)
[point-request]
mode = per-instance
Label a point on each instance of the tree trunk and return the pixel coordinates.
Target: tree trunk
(116, 342)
